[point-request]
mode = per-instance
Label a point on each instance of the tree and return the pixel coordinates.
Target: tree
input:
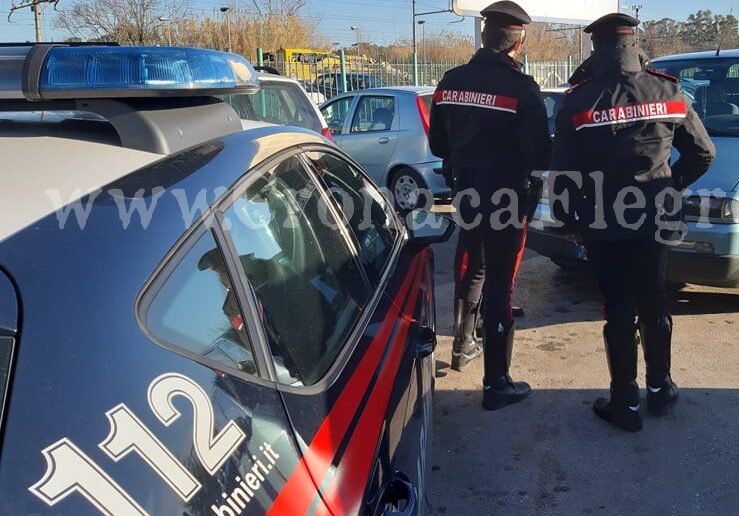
(701, 31)
(131, 22)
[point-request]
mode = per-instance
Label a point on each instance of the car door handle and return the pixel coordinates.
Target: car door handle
(426, 344)
(400, 497)
(383, 140)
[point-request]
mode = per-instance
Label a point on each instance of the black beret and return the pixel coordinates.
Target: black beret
(506, 13)
(612, 24)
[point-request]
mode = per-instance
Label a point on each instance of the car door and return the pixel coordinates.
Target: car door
(405, 277)
(373, 134)
(337, 114)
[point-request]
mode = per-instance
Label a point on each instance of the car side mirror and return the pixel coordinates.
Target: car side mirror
(427, 228)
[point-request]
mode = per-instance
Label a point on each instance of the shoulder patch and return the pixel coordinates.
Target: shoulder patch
(573, 88)
(663, 76)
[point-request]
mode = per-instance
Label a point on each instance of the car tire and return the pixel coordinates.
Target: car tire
(406, 185)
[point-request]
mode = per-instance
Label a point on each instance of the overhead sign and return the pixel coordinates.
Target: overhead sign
(576, 12)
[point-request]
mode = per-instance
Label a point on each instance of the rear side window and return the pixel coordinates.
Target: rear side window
(277, 102)
(374, 114)
(309, 288)
(195, 310)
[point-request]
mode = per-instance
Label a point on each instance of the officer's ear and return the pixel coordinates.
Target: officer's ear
(520, 42)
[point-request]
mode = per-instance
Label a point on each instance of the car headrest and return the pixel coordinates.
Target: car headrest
(708, 94)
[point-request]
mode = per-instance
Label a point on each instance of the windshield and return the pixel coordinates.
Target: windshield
(277, 102)
(712, 86)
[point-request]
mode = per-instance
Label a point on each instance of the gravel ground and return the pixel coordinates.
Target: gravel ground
(550, 455)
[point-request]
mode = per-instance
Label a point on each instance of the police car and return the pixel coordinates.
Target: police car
(196, 318)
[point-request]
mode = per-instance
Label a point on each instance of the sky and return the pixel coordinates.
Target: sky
(380, 21)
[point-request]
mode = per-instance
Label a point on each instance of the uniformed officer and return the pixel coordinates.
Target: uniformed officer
(489, 122)
(469, 278)
(617, 129)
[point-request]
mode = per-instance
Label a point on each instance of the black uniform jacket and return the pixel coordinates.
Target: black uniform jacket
(623, 122)
(489, 120)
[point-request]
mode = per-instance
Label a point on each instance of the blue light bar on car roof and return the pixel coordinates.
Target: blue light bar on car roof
(79, 72)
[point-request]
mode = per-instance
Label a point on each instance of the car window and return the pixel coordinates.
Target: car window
(374, 114)
(336, 112)
(195, 310)
(308, 285)
(553, 102)
(277, 102)
(369, 214)
(712, 86)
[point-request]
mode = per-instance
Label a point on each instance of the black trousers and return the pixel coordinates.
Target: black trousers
(631, 275)
(489, 259)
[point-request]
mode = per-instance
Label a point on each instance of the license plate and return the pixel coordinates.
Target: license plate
(582, 253)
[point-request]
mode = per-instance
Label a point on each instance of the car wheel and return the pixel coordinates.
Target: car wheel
(406, 186)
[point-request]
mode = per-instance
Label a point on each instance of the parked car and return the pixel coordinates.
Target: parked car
(329, 84)
(386, 131)
(280, 101)
(709, 254)
(553, 98)
(314, 95)
(192, 319)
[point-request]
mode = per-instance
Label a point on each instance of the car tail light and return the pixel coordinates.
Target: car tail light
(423, 112)
(327, 133)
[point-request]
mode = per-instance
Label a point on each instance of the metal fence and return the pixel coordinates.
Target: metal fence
(550, 74)
(332, 74)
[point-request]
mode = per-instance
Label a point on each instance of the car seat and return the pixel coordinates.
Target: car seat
(712, 101)
(382, 119)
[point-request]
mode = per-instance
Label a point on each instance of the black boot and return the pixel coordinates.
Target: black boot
(656, 338)
(465, 348)
(499, 389)
(622, 410)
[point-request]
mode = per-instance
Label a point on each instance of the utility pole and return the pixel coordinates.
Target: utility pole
(356, 29)
(165, 19)
(225, 11)
(37, 21)
(415, 47)
(636, 9)
(35, 6)
(422, 23)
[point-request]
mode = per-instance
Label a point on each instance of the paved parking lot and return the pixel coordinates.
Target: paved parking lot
(550, 454)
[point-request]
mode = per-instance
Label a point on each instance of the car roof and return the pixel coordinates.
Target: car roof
(711, 54)
(416, 90)
(270, 77)
(398, 90)
(58, 171)
(71, 168)
(560, 89)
